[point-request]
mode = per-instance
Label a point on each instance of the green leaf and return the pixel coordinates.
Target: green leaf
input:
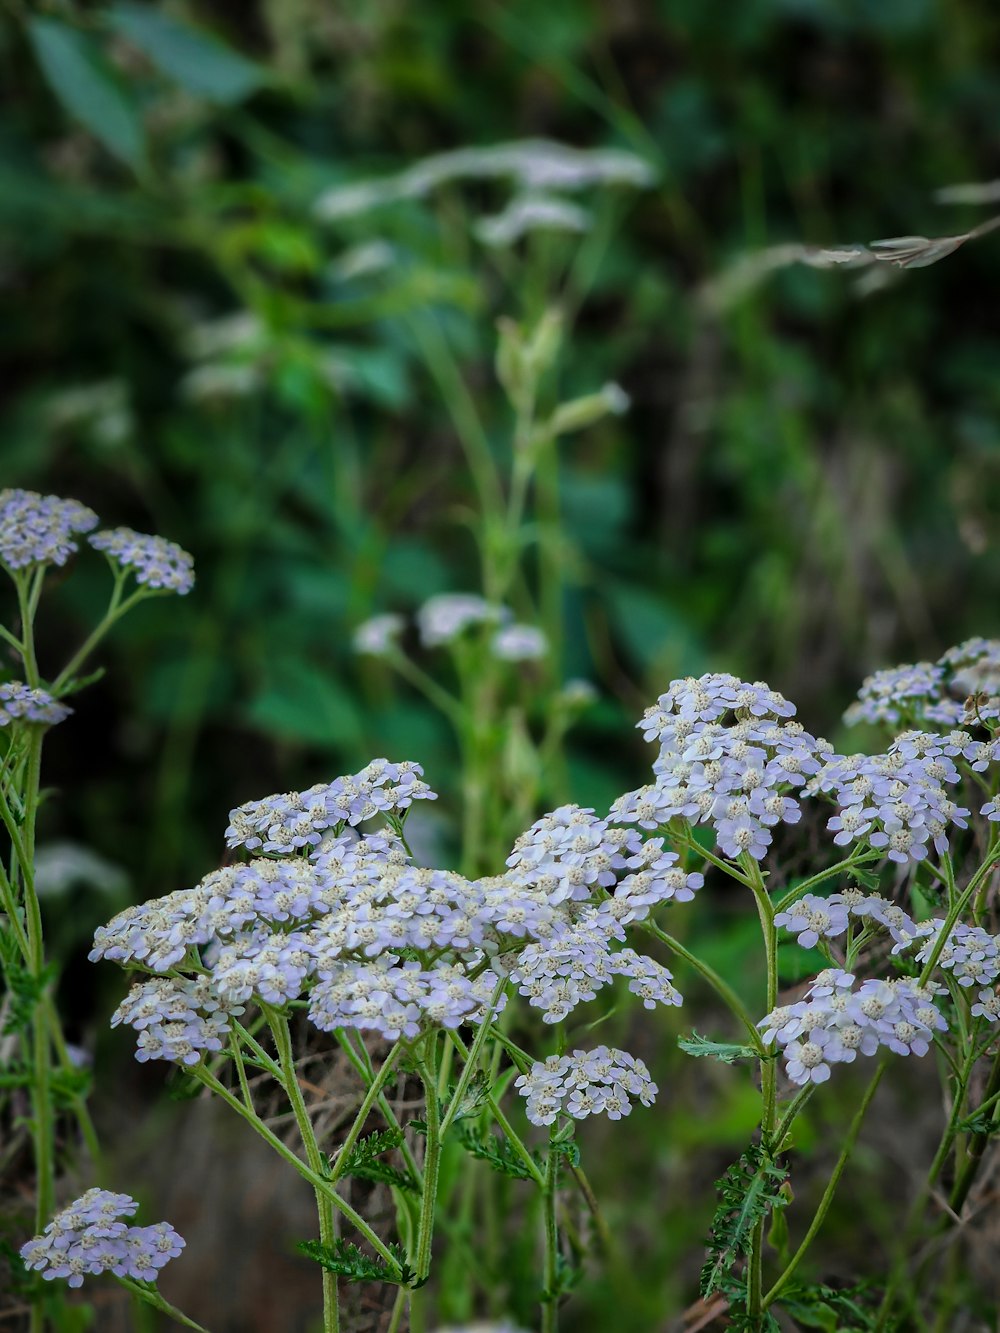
(726, 1051)
(196, 60)
(77, 72)
(304, 703)
(750, 1190)
(492, 1148)
(349, 1261)
(363, 1161)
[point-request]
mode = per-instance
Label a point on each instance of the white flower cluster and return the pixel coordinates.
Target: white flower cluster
(970, 953)
(21, 703)
(87, 1238)
(375, 943)
(40, 529)
(727, 758)
(812, 918)
(154, 562)
(291, 820)
(445, 618)
(835, 1023)
(963, 686)
(597, 1082)
(897, 801)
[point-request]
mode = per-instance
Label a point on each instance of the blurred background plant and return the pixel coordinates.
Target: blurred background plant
(251, 264)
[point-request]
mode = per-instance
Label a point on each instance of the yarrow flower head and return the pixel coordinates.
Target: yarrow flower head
(154, 561)
(87, 1238)
(519, 643)
(729, 756)
(379, 635)
(597, 1082)
(836, 1022)
(40, 529)
(444, 618)
(888, 696)
(21, 703)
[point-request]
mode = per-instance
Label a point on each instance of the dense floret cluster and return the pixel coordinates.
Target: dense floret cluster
(812, 918)
(88, 1238)
(836, 1022)
(155, 562)
(21, 703)
(728, 757)
(345, 921)
(40, 529)
(597, 1082)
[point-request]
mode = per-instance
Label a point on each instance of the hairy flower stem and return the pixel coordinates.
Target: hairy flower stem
(550, 1299)
(149, 1294)
(339, 1166)
(318, 1182)
(831, 1189)
(278, 1024)
(427, 1070)
(722, 988)
(768, 1075)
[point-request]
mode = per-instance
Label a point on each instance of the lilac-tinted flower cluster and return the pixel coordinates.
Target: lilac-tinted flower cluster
(22, 703)
(970, 953)
(40, 529)
(177, 1018)
(378, 636)
(813, 918)
(154, 561)
(292, 820)
(975, 667)
(597, 1082)
(897, 801)
(728, 757)
(446, 617)
(898, 693)
(835, 1023)
(87, 1238)
(519, 643)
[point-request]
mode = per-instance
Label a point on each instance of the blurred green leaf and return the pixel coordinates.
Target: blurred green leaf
(198, 61)
(301, 702)
(90, 90)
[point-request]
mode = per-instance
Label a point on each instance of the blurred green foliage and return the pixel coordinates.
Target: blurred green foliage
(805, 487)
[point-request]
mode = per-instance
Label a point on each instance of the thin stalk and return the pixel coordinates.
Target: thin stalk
(339, 1166)
(466, 1076)
(821, 877)
(151, 1296)
(278, 1024)
(828, 1193)
(305, 1171)
(550, 1302)
(427, 1069)
(722, 988)
(768, 1074)
(117, 607)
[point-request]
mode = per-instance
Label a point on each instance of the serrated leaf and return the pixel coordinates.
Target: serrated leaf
(494, 1149)
(363, 1161)
(197, 60)
(91, 91)
(866, 878)
(351, 1262)
(726, 1051)
(750, 1190)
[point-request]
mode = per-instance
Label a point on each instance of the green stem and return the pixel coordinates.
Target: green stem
(722, 988)
(278, 1024)
(768, 1075)
(427, 1070)
(821, 877)
(117, 607)
(828, 1193)
(305, 1171)
(466, 1076)
(152, 1297)
(550, 1301)
(339, 1165)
